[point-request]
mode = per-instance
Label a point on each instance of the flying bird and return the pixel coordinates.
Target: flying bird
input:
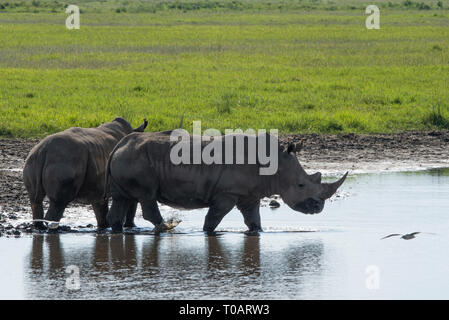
(407, 236)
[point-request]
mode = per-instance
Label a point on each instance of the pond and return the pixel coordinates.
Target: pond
(337, 254)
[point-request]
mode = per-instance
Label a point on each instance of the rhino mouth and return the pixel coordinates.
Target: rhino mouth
(310, 206)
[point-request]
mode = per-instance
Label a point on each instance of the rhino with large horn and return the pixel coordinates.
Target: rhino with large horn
(153, 177)
(71, 165)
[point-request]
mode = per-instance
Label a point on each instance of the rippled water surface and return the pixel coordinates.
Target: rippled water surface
(337, 254)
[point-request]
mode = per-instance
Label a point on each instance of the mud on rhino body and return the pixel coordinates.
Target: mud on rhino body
(140, 170)
(71, 165)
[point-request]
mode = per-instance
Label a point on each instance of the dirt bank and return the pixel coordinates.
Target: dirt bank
(373, 152)
(326, 153)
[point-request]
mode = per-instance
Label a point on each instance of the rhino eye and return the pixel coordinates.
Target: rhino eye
(301, 185)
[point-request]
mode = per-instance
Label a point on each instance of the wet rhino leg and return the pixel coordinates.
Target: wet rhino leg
(220, 207)
(130, 215)
(117, 213)
(62, 187)
(150, 212)
(101, 211)
(251, 215)
(36, 197)
(55, 210)
(38, 213)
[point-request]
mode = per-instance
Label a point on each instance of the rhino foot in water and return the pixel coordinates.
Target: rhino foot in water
(71, 165)
(154, 178)
(253, 232)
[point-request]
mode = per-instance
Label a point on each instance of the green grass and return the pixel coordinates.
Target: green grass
(298, 66)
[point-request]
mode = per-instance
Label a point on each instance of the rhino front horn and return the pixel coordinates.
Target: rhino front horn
(330, 188)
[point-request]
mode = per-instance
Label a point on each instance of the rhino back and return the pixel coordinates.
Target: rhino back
(182, 185)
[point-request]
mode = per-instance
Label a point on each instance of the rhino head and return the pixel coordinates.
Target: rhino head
(300, 191)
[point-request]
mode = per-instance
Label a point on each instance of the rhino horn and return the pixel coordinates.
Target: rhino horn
(330, 188)
(142, 126)
(316, 177)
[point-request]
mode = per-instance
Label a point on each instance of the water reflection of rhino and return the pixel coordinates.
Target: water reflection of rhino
(129, 266)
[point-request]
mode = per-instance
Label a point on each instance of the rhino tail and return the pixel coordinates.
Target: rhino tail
(107, 173)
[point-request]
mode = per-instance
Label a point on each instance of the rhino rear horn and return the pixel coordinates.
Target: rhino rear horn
(330, 188)
(316, 177)
(142, 126)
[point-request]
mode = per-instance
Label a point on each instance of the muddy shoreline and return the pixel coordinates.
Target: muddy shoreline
(330, 154)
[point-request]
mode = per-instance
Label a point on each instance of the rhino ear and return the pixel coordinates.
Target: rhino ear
(142, 126)
(295, 147)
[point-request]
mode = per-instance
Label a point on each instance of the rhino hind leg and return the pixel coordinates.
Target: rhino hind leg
(62, 184)
(38, 214)
(55, 210)
(36, 195)
(130, 215)
(101, 211)
(117, 213)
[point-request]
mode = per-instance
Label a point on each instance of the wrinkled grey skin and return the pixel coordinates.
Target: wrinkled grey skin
(71, 165)
(140, 170)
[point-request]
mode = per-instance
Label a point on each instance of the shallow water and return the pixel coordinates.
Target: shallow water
(337, 254)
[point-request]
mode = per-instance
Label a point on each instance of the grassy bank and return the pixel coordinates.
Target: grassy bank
(306, 66)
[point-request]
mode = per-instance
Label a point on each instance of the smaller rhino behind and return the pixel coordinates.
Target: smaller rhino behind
(71, 165)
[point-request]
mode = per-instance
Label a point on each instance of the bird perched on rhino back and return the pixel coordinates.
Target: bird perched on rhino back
(71, 165)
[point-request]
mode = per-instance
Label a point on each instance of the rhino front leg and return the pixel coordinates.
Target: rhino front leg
(220, 207)
(251, 215)
(101, 212)
(150, 212)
